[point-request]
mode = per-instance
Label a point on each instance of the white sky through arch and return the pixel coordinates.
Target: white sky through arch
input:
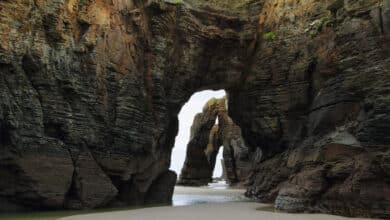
(186, 117)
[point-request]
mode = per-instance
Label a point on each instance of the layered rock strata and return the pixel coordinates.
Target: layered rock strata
(202, 148)
(205, 141)
(90, 92)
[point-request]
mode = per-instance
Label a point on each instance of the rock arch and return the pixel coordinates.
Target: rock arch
(92, 96)
(206, 139)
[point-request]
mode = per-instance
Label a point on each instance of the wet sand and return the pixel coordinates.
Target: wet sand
(206, 203)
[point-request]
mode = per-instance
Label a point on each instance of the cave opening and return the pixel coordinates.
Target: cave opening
(210, 156)
(186, 117)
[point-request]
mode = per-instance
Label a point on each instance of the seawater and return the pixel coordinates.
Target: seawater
(192, 199)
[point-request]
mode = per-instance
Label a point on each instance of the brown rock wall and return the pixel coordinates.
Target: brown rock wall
(307, 83)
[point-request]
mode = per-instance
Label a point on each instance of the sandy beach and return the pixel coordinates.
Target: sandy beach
(209, 203)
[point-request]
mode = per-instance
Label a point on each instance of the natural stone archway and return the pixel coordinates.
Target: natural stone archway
(90, 92)
(202, 148)
(206, 139)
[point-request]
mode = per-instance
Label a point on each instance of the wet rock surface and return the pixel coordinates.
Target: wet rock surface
(90, 92)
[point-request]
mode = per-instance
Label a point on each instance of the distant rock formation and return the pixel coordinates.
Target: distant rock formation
(205, 141)
(237, 157)
(202, 148)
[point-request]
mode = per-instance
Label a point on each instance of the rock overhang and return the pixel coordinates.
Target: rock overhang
(287, 92)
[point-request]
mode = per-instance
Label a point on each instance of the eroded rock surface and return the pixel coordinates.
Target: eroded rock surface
(90, 92)
(206, 139)
(202, 148)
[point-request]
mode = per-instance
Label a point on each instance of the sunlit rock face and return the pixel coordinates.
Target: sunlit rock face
(207, 137)
(90, 92)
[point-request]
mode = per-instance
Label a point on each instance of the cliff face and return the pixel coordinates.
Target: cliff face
(315, 101)
(85, 121)
(90, 91)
